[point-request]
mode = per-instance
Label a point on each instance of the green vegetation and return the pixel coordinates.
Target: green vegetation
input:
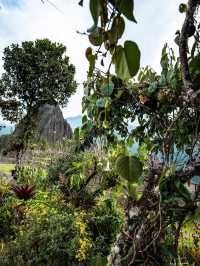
(58, 225)
(92, 201)
(6, 168)
(35, 73)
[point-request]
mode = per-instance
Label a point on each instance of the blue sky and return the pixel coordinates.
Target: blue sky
(10, 3)
(22, 20)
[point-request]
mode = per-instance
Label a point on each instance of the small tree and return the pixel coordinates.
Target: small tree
(36, 73)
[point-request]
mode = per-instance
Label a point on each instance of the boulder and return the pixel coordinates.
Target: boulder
(51, 124)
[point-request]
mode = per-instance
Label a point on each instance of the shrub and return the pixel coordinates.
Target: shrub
(62, 165)
(28, 174)
(24, 192)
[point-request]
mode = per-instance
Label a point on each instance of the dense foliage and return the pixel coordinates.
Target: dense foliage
(164, 110)
(117, 194)
(35, 73)
(50, 227)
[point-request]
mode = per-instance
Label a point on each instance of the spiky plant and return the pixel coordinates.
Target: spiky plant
(24, 192)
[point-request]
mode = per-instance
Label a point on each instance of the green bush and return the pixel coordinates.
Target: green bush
(45, 231)
(62, 165)
(104, 226)
(32, 175)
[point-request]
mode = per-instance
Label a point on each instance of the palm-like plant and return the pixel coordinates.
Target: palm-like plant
(24, 192)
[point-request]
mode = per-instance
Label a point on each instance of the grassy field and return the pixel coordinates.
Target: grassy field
(6, 168)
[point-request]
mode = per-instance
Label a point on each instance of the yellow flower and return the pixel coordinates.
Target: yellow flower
(84, 246)
(81, 226)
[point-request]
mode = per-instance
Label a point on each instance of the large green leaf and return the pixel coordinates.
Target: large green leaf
(132, 53)
(119, 59)
(118, 27)
(129, 167)
(127, 60)
(125, 7)
(95, 9)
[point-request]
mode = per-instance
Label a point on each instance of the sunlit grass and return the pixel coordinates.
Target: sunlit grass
(6, 168)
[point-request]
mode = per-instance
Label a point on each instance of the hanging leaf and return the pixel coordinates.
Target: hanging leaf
(125, 7)
(95, 9)
(88, 53)
(132, 56)
(127, 60)
(117, 29)
(129, 167)
(107, 89)
(119, 59)
(96, 37)
(91, 58)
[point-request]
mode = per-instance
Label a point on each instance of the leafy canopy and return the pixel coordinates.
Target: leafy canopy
(36, 73)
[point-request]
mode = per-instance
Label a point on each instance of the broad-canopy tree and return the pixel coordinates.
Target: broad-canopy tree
(36, 73)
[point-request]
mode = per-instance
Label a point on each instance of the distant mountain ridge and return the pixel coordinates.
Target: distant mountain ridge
(75, 121)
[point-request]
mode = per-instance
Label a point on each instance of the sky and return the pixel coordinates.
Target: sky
(59, 20)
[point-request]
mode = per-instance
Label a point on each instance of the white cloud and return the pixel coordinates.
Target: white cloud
(157, 23)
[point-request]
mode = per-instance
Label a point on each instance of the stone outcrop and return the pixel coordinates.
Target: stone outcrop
(51, 124)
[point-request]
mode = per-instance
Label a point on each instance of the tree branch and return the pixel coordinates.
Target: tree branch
(183, 43)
